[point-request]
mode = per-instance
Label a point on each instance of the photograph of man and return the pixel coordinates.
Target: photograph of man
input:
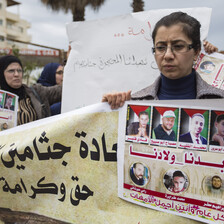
(216, 182)
(139, 174)
(4, 126)
(140, 128)
(207, 66)
(8, 103)
(215, 187)
(196, 127)
(218, 137)
(164, 131)
(179, 182)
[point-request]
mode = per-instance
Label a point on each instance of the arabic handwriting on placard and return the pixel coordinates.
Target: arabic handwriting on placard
(136, 32)
(95, 154)
(57, 152)
(103, 63)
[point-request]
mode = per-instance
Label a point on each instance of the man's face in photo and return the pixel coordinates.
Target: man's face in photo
(9, 101)
(143, 120)
(216, 182)
(168, 123)
(209, 67)
(197, 125)
(139, 171)
(220, 127)
(178, 183)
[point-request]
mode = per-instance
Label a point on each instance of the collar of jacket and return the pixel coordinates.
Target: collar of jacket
(204, 90)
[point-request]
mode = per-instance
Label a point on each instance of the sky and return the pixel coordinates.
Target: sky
(48, 28)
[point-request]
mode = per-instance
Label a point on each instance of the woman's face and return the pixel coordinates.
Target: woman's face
(59, 75)
(171, 64)
(13, 75)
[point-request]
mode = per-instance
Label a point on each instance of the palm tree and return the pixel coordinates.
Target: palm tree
(77, 7)
(138, 5)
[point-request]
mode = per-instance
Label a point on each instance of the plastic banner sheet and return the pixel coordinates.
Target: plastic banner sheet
(171, 159)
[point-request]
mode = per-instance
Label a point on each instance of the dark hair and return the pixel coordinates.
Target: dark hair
(8, 97)
(191, 27)
(178, 173)
(142, 113)
(219, 118)
(217, 177)
(134, 165)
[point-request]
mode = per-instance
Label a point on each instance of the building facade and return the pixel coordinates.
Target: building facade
(12, 27)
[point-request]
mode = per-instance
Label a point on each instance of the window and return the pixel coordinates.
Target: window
(21, 29)
(2, 38)
(1, 22)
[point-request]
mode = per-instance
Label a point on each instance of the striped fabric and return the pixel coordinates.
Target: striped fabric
(26, 112)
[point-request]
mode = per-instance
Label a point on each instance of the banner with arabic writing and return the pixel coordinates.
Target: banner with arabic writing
(170, 158)
(64, 167)
(119, 48)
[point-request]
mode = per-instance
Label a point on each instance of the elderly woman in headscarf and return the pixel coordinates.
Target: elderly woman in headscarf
(51, 75)
(34, 102)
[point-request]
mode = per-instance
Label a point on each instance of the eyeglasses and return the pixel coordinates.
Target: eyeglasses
(175, 48)
(13, 71)
(60, 72)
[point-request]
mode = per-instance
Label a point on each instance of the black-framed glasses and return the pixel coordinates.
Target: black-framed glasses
(175, 48)
(13, 71)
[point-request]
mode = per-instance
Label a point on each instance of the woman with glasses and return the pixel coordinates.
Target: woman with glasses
(34, 102)
(177, 44)
(51, 75)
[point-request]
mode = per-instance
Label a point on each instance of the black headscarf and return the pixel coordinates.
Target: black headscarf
(5, 61)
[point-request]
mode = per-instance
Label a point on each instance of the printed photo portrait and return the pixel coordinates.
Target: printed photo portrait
(213, 186)
(194, 126)
(207, 66)
(138, 121)
(217, 128)
(139, 174)
(176, 181)
(165, 123)
(4, 126)
(9, 102)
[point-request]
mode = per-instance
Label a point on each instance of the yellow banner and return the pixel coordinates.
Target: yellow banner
(64, 167)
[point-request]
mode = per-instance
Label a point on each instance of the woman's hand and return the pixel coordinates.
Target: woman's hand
(116, 99)
(209, 48)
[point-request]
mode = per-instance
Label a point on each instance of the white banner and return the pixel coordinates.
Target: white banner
(114, 54)
(164, 167)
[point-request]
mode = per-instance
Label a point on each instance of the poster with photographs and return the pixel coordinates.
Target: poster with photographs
(170, 158)
(8, 110)
(211, 68)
